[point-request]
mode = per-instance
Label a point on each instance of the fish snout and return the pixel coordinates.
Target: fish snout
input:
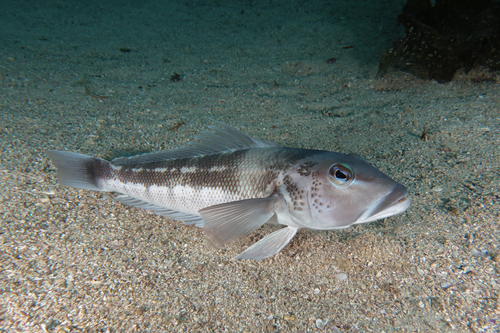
(394, 202)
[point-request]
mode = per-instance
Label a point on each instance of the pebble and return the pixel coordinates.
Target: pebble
(321, 324)
(445, 285)
(475, 253)
(341, 276)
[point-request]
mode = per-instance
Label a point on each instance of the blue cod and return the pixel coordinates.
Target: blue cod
(231, 184)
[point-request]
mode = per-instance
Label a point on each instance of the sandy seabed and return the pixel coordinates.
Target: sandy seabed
(96, 78)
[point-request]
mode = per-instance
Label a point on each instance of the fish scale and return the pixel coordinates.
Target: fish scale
(211, 180)
(231, 184)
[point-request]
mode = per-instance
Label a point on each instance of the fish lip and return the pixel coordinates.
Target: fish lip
(394, 202)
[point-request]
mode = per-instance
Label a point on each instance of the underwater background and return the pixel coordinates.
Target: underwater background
(119, 78)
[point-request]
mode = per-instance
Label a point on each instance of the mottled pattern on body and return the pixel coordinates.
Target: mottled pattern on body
(190, 184)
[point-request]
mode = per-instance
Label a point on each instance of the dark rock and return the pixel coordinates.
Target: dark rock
(443, 38)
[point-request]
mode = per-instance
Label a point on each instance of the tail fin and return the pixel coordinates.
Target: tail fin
(78, 170)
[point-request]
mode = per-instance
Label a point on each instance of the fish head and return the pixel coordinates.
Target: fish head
(342, 190)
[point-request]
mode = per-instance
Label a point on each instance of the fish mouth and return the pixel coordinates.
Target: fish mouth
(393, 203)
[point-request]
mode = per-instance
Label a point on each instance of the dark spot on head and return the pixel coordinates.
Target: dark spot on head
(305, 168)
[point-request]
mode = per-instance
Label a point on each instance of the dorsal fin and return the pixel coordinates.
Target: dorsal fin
(220, 139)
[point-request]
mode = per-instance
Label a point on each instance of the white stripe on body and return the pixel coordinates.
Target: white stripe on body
(183, 199)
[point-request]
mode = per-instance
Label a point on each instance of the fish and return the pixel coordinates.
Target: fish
(230, 184)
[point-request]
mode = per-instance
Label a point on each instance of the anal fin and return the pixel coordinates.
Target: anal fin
(269, 245)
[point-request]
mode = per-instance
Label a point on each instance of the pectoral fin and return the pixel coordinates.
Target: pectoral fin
(233, 220)
(269, 245)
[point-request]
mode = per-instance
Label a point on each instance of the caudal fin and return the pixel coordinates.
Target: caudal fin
(78, 170)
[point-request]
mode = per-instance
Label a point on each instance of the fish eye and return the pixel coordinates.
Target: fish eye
(341, 174)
